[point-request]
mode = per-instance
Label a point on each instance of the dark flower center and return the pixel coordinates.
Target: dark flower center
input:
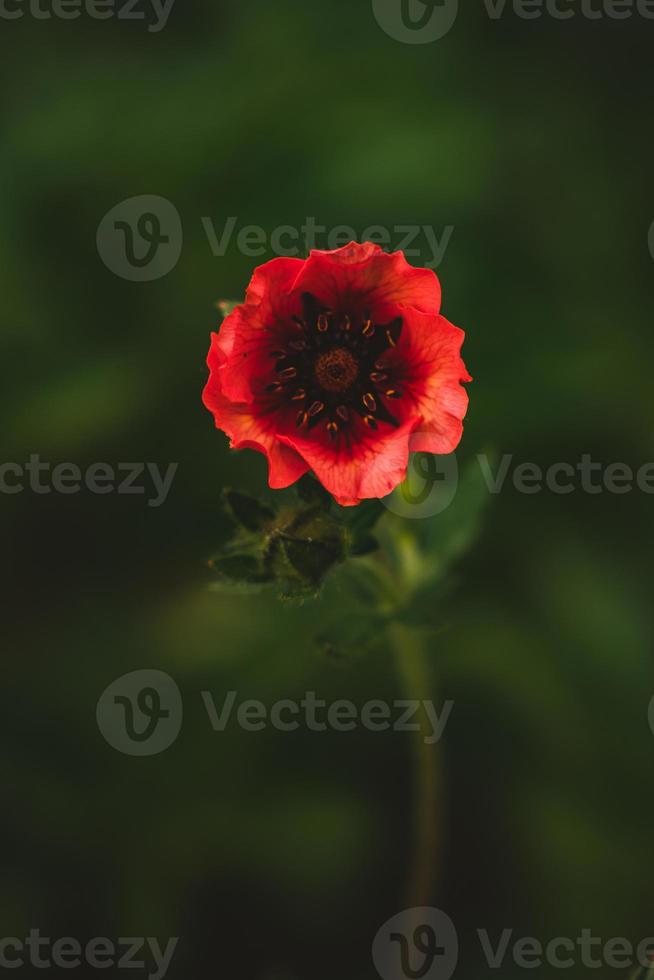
(336, 370)
(333, 366)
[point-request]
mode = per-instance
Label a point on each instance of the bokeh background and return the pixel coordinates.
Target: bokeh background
(277, 856)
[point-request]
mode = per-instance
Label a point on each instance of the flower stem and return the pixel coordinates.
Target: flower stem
(642, 972)
(408, 647)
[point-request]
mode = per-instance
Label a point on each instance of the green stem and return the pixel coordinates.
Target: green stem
(412, 667)
(642, 972)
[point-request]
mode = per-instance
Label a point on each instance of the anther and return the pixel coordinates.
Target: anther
(369, 402)
(370, 421)
(298, 345)
(389, 338)
(323, 323)
(275, 386)
(288, 373)
(342, 413)
(368, 328)
(378, 377)
(299, 395)
(393, 393)
(332, 428)
(316, 408)
(302, 416)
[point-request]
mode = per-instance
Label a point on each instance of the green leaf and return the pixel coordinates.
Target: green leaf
(363, 583)
(243, 568)
(363, 518)
(350, 636)
(360, 521)
(236, 567)
(421, 553)
(246, 511)
(311, 559)
(300, 555)
(363, 544)
(311, 491)
(454, 531)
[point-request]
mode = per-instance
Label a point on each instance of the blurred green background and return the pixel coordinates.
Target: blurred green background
(277, 856)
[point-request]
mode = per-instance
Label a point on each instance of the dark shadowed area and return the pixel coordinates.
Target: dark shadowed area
(524, 147)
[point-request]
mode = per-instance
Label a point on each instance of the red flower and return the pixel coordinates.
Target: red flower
(335, 364)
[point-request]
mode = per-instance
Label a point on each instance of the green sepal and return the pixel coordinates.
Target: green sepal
(311, 491)
(239, 571)
(360, 521)
(240, 568)
(364, 544)
(246, 511)
(300, 554)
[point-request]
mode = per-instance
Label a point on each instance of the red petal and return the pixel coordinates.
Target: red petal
(249, 430)
(371, 467)
(257, 326)
(363, 277)
(270, 285)
(429, 370)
